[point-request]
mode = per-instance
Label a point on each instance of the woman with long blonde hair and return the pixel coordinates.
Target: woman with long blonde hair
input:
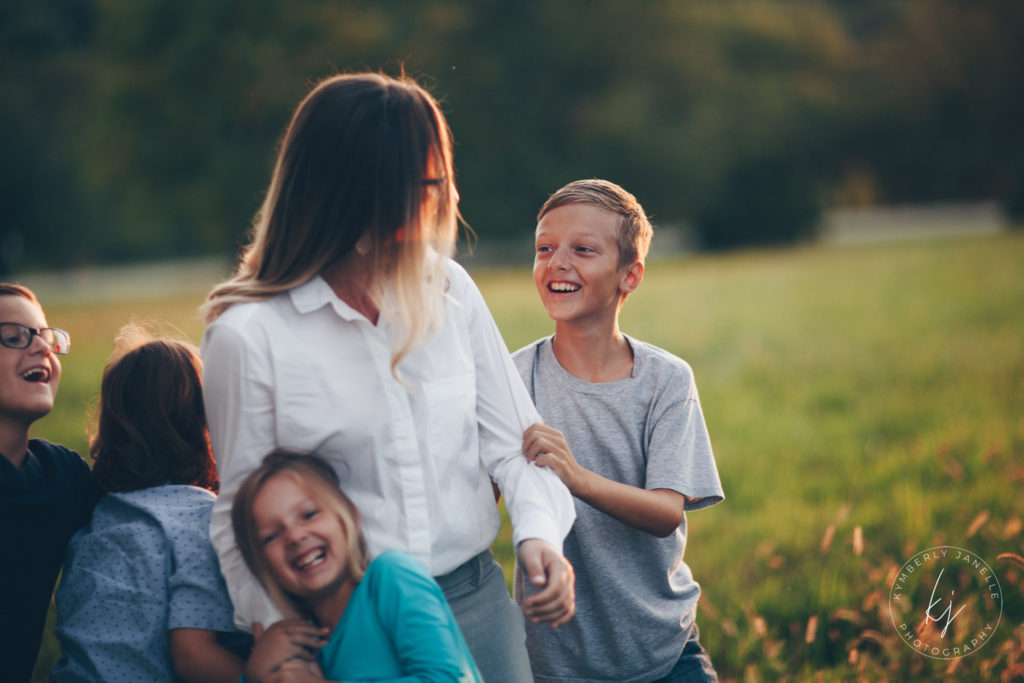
(348, 331)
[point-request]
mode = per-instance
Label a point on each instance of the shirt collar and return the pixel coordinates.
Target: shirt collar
(315, 293)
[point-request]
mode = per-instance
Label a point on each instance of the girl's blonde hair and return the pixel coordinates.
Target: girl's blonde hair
(353, 167)
(321, 481)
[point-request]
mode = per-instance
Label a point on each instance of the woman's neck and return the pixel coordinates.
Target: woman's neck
(593, 354)
(350, 280)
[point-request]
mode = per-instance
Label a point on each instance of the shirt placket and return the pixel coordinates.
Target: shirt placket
(403, 450)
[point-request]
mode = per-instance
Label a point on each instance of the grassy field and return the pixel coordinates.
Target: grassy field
(864, 404)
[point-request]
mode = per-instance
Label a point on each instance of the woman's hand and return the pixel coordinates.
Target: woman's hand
(545, 445)
(286, 640)
(547, 569)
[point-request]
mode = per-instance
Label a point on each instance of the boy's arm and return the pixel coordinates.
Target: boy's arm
(198, 658)
(657, 512)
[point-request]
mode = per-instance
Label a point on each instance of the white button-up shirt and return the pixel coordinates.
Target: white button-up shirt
(306, 372)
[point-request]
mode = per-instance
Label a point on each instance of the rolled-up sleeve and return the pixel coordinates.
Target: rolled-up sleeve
(538, 503)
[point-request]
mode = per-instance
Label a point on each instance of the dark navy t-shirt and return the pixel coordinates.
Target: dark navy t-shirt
(42, 503)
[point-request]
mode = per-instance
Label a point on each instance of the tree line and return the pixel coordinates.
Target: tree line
(144, 129)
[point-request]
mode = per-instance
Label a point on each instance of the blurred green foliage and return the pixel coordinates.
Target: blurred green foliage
(146, 128)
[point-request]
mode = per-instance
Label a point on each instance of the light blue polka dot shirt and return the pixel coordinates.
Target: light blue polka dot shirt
(142, 567)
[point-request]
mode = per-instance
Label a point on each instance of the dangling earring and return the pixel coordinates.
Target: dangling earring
(363, 245)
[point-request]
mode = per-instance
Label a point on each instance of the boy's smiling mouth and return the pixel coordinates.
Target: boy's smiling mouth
(39, 375)
(563, 287)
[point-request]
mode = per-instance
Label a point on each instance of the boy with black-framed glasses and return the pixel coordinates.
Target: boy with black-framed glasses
(46, 492)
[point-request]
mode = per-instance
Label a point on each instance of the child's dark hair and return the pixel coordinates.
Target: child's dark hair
(151, 428)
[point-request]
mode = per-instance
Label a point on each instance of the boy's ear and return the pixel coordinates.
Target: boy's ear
(632, 275)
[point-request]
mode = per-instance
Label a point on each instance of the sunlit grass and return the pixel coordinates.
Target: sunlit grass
(879, 387)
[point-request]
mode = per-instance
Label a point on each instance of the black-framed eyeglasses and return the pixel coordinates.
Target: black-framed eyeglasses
(18, 336)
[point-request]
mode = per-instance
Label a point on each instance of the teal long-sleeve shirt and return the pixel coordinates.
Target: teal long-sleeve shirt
(397, 627)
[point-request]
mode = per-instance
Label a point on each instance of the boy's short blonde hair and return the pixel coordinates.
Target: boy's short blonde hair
(635, 230)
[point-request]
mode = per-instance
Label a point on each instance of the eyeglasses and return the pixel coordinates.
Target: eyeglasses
(18, 336)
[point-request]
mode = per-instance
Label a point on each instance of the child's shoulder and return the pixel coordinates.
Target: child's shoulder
(524, 358)
(167, 506)
(658, 358)
(663, 374)
(59, 459)
(396, 561)
(397, 575)
(170, 500)
(64, 478)
(54, 450)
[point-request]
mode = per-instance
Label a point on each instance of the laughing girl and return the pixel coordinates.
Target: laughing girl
(383, 619)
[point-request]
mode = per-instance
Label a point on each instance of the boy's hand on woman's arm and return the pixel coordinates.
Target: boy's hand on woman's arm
(657, 512)
(545, 445)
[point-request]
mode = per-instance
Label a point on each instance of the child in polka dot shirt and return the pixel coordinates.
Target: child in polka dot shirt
(142, 598)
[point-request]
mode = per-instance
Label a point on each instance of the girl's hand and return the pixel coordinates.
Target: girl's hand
(288, 639)
(545, 445)
(547, 570)
(296, 671)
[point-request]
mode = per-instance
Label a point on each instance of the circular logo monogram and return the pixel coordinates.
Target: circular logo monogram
(945, 602)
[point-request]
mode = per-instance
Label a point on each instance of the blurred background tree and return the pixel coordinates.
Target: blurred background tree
(145, 129)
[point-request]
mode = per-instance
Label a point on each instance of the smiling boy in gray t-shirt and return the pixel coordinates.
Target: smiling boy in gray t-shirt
(625, 432)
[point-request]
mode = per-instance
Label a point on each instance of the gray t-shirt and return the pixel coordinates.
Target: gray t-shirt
(635, 597)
